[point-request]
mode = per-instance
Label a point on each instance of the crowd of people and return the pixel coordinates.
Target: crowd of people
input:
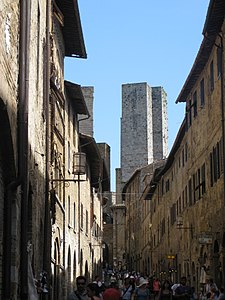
(133, 287)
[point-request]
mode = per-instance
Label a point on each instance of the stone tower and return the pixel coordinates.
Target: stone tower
(144, 127)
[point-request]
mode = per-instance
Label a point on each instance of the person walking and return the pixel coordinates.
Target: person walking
(93, 291)
(156, 287)
(127, 289)
(165, 292)
(221, 294)
(142, 292)
(183, 291)
(80, 293)
(112, 292)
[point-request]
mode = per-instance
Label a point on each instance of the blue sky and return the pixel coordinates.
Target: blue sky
(128, 41)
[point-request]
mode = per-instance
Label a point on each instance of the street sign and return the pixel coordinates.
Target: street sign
(205, 239)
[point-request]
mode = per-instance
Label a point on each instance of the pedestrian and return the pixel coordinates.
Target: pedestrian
(127, 289)
(156, 288)
(173, 288)
(98, 280)
(80, 293)
(209, 285)
(142, 292)
(202, 295)
(112, 292)
(165, 292)
(194, 295)
(221, 294)
(183, 291)
(93, 291)
(213, 294)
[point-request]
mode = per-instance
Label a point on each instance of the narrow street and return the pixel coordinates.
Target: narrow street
(160, 233)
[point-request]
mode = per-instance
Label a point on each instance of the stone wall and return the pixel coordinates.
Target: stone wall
(144, 128)
(86, 126)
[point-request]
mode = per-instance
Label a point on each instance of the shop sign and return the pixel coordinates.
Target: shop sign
(205, 239)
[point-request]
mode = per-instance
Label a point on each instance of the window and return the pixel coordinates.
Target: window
(68, 209)
(190, 192)
(215, 173)
(173, 214)
(167, 185)
(202, 92)
(74, 130)
(186, 196)
(69, 120)
(203, 179)
(186, 152)
(190, 114)
(163, 227)
(211, 76)
(162, 186)
(198, 184)
(74, 216)
(81, 216)
(219, 60)
(68, 156)
(179, 205)
(215, 163)
(195, 104)
(182, 157)
(194, 187)
(183, 200)
(211, 169)
(86, 222)
(218, 159)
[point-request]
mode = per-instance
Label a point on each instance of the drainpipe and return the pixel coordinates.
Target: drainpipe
(47, 225)
(23, 139)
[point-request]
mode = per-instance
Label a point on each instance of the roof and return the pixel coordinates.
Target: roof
(153, 184)
(74, 92)
(89, 146)
(213, 23)
(72, 30)
(149, 191)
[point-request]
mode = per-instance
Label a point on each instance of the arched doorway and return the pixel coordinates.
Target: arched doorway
(69, 273)
(81, 262)
(56, 272)
(86, 271)
(193, 273)
(7, 195)
(74, 269)
(217, 274)
(223, 258)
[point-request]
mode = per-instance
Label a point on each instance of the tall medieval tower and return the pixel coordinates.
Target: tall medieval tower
(144, 127)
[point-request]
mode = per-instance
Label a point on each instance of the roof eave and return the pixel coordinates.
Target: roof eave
(75, 94)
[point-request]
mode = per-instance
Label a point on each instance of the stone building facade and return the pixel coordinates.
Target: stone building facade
(185, 200)
(144, 127)
(87, 126)
(22, 147)
(144, 141)
(136, 219)
(50, 212)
